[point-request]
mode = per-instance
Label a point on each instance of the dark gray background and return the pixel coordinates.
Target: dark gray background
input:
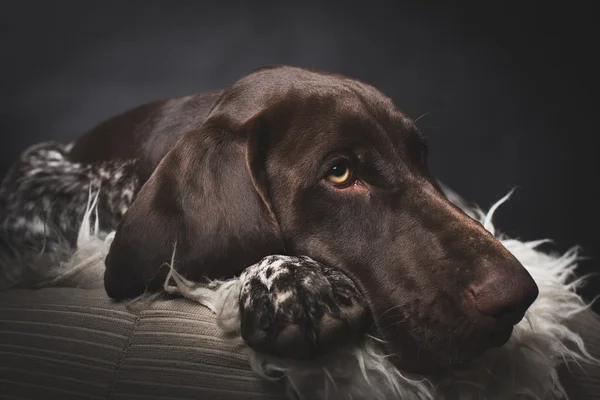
(509, 89)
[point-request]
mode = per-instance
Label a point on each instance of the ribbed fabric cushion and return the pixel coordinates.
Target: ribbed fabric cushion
(73, 343)
(77, 344)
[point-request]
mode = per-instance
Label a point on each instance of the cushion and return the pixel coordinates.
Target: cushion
(75, 343)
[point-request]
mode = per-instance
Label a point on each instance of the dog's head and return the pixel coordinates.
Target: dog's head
(309, 163)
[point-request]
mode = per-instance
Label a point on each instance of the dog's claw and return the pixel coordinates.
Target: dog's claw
(297, 308)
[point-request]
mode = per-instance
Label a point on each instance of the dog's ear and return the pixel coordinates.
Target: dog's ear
(207, 201)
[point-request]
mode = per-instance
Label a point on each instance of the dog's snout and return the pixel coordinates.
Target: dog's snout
(506, 292)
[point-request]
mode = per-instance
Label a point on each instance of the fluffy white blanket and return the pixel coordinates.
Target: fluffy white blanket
(526, 367)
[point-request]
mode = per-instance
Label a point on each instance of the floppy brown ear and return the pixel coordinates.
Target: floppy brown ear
(209, 196)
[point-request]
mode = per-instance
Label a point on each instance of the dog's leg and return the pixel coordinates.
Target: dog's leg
(298, 308)
(292, 307)
(43, 199)
(44, 196)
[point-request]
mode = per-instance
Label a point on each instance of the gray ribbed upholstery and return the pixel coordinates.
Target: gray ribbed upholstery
(77, 344)
(73, 343)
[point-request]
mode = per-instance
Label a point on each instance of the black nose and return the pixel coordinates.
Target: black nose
(506, 292)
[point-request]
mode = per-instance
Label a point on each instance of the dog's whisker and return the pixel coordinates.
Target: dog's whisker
(419, 350)
(388, 310)
(392, 324)
(421, 116)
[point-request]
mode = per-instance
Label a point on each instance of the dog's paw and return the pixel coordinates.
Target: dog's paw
(297, 308)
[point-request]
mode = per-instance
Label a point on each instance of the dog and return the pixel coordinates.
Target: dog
(321, 174)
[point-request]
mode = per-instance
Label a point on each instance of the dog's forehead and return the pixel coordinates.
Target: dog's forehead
(346, 120)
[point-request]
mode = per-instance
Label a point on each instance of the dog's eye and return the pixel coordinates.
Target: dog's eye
(340, 174)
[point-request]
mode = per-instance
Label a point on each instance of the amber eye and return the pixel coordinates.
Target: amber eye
(340, 174)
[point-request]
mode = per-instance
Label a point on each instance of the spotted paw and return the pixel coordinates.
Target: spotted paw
(297, 308)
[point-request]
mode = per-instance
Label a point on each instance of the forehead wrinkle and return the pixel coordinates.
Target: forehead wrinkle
(385, 147)
(382, 110)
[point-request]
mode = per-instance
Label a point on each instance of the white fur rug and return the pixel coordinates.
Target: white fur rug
(524, 368)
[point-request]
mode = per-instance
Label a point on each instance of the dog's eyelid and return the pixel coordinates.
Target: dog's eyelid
(337, 158)
(340, 158)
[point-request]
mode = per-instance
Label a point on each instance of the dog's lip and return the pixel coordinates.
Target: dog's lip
(501, 337)
(516, 318)
(494, 339)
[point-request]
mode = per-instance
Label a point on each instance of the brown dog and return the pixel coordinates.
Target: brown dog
(300, 162)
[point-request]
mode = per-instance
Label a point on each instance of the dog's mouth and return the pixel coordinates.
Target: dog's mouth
(500, 338)
(493, 341)
(432, 355)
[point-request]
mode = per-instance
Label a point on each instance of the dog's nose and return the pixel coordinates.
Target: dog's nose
(506, 292)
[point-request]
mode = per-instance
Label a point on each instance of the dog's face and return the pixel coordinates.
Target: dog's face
(341, 174)
(354, 192)
(350, 187)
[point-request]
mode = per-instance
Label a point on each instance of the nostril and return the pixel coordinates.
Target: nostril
(504, 294)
